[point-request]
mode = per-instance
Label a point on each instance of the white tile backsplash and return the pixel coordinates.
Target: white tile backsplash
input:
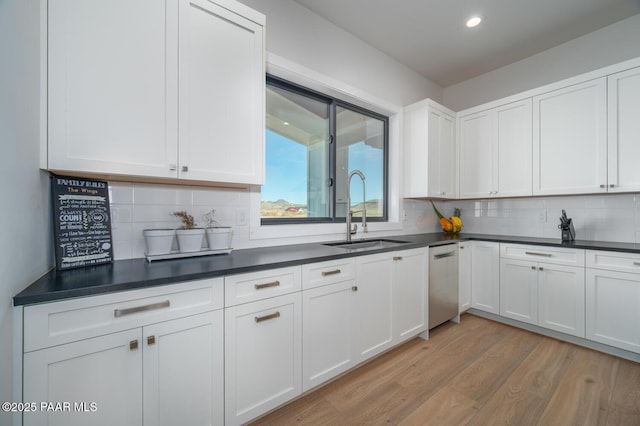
(601, 217)
(604, 217)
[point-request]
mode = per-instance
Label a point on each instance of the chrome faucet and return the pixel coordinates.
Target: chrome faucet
(352, 230)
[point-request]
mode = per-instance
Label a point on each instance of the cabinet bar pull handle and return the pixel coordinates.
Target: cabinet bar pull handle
(533, 253)
(276, 314)
(185, 168)
(397, 257)
(533, 267)
(602, 186)
(541, 268)
(133, 345)
(443, 255)
(636, 263)
(267, 285)
(128, 311)
(151, 340)
(334, 272)
(354, 288)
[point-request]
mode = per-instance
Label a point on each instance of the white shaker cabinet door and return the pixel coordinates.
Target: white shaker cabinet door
(519, 290)
(624, 131)
(263, 356)
(570, 139)
(410, 293)
(613, 308)
(561, 298)
(221, 94)
(329, 340)
(485, 267)
(513, 168)
(106, 371)
(477, 155)
(112, 87)
(374, 276)
(184, 371)
(464, 276)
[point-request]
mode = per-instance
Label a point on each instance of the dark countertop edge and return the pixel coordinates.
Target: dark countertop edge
(134, 274)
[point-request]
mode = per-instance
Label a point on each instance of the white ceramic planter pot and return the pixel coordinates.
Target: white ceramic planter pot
(219, 238)
(190, 240)
(158, 241)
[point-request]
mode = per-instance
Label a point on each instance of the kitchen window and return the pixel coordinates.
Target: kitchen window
(313, 142)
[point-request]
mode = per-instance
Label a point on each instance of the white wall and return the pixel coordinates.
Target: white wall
(301, 36)
(25, 239)
(612, 44)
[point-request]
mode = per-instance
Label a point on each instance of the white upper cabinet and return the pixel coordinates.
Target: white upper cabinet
(570, 139)
(109, 93)
(177, 91)
(496, 151)
(221, 94)
(429, 151)
(624, 131)
(477, 160)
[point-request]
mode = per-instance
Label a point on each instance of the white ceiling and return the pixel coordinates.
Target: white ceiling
(430, 37)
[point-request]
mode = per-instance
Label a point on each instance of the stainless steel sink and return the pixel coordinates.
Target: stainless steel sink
(366, 244)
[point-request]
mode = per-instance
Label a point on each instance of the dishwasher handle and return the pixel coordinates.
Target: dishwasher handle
(443, 255)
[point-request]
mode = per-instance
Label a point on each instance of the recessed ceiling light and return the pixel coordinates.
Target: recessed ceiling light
(286, 123)
(474, 21)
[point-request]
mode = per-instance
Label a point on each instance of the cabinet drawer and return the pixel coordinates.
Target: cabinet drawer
(560, 256)
(323, 273)
(243, 288)
(614, 261)
(56, 323)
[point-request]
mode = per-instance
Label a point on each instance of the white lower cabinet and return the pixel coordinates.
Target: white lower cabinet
(464, 276)
(548, 295)
(105, 371)
(519, 290)
(328, 342)
(374, 305)
(561, 299)
(263, 356)
(355, 316)
(613, 299)
(183, 370)
(485, 269)
(150, 356)
(410, 293)
(328, 320)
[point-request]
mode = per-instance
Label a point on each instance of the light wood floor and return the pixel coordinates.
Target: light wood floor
(481, 373)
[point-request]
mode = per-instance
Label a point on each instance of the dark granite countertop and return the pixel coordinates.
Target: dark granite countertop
(138, 273)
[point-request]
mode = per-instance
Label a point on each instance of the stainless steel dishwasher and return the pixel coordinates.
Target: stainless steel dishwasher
(443, 284)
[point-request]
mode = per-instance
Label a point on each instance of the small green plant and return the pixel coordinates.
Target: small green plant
(187, 220)
(209, 218)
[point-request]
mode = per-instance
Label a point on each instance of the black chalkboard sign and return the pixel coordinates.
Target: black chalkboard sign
(82, 227)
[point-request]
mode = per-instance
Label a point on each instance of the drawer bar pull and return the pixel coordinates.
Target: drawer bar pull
(443, 255)
(276, 314)
(533, 253)
(128, 311)
(334, 272)
(267, 285)
(636, 263)
(397, 257)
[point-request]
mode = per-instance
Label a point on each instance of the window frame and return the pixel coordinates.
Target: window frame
(333, 103)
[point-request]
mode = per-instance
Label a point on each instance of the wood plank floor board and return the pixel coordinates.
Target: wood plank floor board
(625, 401)
(480, 380)
(584, 393)
(476, 373)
